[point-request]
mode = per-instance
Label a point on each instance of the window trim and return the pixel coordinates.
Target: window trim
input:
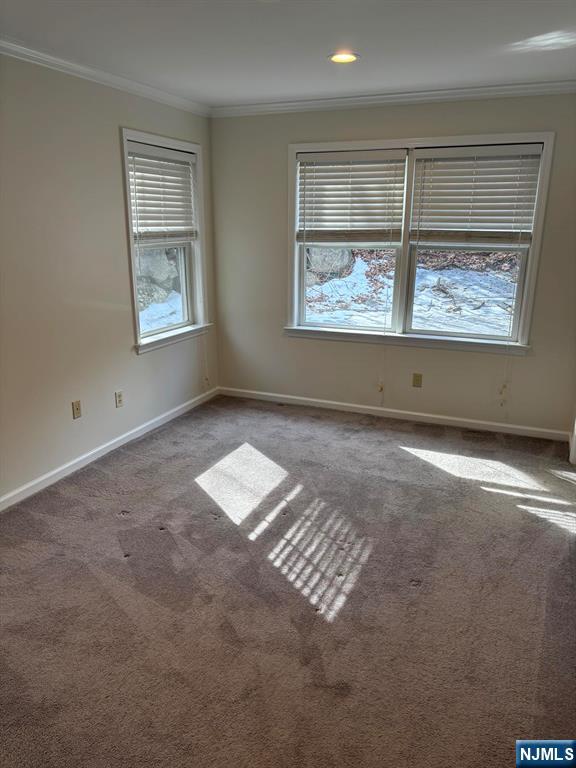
(400, 309)
(196, 265)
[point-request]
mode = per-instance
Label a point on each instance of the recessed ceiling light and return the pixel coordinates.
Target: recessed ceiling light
(343, 57)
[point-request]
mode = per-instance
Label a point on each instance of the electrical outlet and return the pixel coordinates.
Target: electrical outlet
(119, 396)
(380, 386)
(417, 380)
(76, 409)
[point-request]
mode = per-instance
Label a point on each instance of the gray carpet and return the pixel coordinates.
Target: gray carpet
(267, 586)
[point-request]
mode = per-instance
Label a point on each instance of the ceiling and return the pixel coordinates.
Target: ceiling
(237, 52)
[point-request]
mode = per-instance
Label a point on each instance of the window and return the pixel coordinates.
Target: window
(350, 208)
(417, 243)
(163, 183)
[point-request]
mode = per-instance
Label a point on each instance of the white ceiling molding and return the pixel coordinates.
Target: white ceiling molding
(550, 88)
(103, 78)
(409, 97)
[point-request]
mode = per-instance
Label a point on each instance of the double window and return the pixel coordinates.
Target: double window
(417, 242)
(163, 184)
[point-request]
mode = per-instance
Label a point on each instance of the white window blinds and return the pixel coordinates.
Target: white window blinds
(161, 193)
(351, 196)
(476, 194)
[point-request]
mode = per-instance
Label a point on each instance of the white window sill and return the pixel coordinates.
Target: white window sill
(405, 340)
(171, 337)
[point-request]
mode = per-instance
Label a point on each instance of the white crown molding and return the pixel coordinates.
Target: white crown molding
(408, 97)
(18, 51)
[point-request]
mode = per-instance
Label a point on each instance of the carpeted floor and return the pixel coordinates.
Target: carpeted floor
(263, 586)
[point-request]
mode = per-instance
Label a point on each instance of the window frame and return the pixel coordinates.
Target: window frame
(195, 266)
(523, 250)
(400, 333)
(301, 256)
(188, 267)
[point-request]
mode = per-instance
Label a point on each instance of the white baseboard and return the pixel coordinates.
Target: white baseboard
(21, 493)
(393, 413)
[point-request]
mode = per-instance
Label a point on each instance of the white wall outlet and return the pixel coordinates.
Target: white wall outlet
(417, 380)
(76, 409)
(380, 386)
(119, 398)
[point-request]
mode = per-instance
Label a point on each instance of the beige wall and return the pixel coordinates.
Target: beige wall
(66, 314)
(250, 203)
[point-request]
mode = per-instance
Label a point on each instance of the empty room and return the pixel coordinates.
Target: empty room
(287, 383)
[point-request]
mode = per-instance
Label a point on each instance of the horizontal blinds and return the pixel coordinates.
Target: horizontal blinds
(161, 193)
(475, 194)
(346, 196)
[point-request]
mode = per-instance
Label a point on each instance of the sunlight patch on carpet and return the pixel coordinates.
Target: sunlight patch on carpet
(471, 468)
(563, 474)
(531, 496)
(322, 555)
(271, 516)
(561, 518)
(240, 481)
